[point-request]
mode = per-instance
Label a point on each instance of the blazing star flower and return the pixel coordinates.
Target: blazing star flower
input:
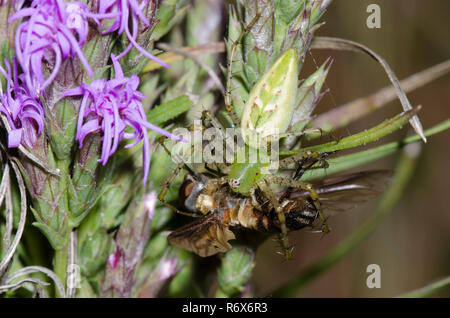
(110, 106)
(24, 114)
(54, 31)
(122, 11)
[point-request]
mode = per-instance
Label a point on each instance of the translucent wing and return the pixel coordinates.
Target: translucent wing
(345, 192)
(205, 236)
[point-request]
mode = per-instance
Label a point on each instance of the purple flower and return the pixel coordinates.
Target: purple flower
(53, 32)
(122, 11)
(110, 106)
(24, 114)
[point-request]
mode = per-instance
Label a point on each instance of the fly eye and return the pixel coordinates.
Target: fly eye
(234, 183)
(186, 189)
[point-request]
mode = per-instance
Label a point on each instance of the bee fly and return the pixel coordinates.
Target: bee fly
(220, 209)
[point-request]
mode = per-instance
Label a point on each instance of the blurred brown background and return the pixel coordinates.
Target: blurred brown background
(412, 245)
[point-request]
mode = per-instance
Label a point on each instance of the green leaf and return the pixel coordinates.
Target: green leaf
(169, 110)
(75, 220)
(57, 240)
(169, 14)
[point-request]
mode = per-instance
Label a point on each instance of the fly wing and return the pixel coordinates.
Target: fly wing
(205, 236)
(345, 192)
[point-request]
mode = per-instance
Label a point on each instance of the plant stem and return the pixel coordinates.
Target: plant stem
(220, 294)
(60, 263)
(362, 138)
(343, 163)
(427, 290)
(404, 171)
(171, 57)
(341, 116)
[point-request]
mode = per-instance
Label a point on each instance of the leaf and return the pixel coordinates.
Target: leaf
(169, 14)
(57, 240)
(169, 110)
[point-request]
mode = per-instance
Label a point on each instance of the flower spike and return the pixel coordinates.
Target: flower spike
(110, 106)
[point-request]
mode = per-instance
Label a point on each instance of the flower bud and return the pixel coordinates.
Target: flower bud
(308, 96)
(130, 241)
(235, 270)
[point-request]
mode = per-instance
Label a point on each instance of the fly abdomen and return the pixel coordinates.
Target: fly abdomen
(242, 213)
(299, 214)
(267, 223)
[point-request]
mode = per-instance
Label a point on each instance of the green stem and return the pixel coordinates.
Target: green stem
(221, 294)
(362, 138)
(60, 263)
(427, 290)
(405, 169)
(341, 116)
(343, 163)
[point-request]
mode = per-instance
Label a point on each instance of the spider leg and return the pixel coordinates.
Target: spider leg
(263, 185)
(232, 51)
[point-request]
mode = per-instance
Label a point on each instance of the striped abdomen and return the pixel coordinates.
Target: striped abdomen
(241, 212)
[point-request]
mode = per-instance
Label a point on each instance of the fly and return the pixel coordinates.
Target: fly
(220, 209)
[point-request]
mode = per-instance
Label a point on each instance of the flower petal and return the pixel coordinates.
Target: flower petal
(14, 138)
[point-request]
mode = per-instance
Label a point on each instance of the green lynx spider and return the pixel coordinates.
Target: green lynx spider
(246, 178)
